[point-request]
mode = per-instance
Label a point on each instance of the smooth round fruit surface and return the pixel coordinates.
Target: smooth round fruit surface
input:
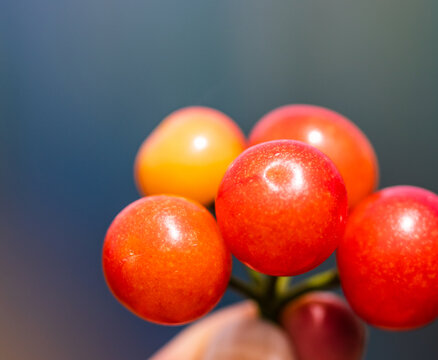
(282, 207)
(332, 133)
(188, 153)
(388, 259)
(165, 260)
(322, 326)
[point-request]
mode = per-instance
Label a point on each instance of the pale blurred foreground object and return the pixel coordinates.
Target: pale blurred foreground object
(233, 333)
(250, 339)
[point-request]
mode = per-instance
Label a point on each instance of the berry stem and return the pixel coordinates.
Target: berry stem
(267, 303)
(271, 288)
(322, 281)
(272, 294)
(283, 284)
(256, 277)
(244, 289)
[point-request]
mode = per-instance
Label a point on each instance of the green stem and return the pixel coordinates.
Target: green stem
(283, 284)
(243, 288)
(271, 300)
(268, 300)
(271, 288)
(323, 281)
(256, 277)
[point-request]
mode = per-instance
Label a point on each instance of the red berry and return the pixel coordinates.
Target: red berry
(282, 207)
(165, 260)
(323, 327)
(332, 133)
(388, 260)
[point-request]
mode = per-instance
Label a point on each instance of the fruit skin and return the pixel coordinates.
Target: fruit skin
(165, 260)
(388, 259)
(322, 326)
(188, 153)
(332, 133)
(282, 207)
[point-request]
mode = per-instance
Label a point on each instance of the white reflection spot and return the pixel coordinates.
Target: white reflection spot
(314, 137)
(172, 228)
(295, 173)
(318, 314)
(407, 223)
(200, 142)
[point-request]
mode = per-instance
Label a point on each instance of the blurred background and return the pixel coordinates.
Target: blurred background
(82, 83)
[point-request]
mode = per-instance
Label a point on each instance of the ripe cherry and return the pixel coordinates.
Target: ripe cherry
(388, 259)
(188, 153)
(322, 326)
(333, 134)
(282, 207)
(165, 260)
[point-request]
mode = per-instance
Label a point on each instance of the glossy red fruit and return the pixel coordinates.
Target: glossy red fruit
(322, 326)
(165, 260)
(282, 207)
(388, 260)
(332, 133)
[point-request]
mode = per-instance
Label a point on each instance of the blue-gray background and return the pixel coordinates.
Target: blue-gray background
(83, 82)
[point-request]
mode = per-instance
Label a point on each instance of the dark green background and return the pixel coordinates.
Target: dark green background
(83, 82)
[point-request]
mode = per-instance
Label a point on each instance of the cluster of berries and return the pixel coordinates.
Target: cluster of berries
(302, 186)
